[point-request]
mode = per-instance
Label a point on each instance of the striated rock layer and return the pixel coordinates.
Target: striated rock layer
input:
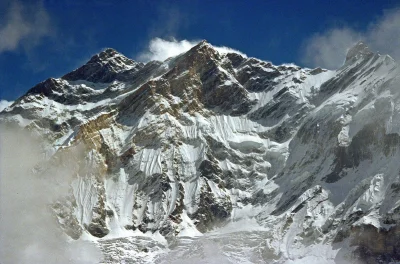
(185, 146)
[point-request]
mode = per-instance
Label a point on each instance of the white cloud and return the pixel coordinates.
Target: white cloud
(328, 49)
(23, 25)
(161, 49)
(29, 233)
(384, 36)
(4, 104)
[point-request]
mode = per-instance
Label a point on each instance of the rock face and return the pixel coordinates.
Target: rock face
(107, 66)
(202, 139)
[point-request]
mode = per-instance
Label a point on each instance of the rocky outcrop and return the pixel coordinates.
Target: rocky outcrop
(206, 138)
(105, 67)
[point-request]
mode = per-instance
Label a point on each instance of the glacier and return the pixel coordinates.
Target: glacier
(212, 156)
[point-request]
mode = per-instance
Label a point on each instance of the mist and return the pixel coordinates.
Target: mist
(328, 49)
(29, 232)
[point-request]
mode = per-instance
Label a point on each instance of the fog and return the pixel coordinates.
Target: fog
(328, 49)
(29, 232)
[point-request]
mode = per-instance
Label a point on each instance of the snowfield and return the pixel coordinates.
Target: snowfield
(214, 157)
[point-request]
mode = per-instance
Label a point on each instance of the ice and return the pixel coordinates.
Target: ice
(86, 197)
(271, 169)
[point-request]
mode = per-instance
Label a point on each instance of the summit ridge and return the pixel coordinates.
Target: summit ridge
(204, 141)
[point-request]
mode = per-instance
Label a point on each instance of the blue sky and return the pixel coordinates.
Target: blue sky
(41, 39)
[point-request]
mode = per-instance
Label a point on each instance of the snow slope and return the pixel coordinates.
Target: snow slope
(211, 146)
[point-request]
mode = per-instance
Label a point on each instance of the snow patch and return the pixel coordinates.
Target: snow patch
(188, 227)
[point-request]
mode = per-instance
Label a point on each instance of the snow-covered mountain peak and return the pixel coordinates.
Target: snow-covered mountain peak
(204, 47)
(221, 50)
(208, 138)
(104, 67)
(203, 42)
(359, 50)
(112, 57)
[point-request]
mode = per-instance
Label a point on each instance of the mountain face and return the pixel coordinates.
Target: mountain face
(205, 140)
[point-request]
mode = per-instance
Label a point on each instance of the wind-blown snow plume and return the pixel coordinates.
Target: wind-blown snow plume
(161, 49)
(224, 50)
(28, 231)
(328, 49)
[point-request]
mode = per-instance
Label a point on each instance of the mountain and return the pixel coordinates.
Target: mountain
(206, 140)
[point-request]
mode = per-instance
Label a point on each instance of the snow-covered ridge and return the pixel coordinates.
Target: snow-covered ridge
(209, 139)
(107, 66)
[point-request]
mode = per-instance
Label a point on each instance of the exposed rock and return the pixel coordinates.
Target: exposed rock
(212, 211)
(104, 67)
(358, 51)
(207, 138)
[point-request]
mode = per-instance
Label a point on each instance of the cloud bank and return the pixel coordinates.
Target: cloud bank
(328, 49)
(4, 104)
(161, 49)
(23, 25)
(29, 233)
